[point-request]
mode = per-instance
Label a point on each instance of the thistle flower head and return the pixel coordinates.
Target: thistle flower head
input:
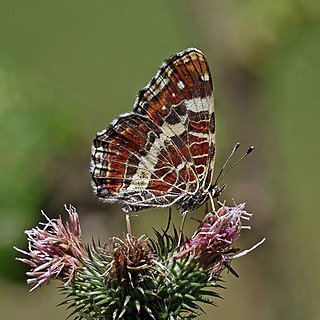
(212, 243)
(54, 250)
(130, 257)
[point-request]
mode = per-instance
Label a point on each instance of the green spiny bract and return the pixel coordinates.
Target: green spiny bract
(137, 278)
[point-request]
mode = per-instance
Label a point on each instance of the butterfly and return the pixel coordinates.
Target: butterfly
(163, 152)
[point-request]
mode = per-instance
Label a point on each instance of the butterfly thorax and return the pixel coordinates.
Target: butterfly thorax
(194, 201)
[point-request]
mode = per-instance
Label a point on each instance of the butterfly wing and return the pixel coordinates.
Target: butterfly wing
(125, 164)
(164, 151)
(179, 99)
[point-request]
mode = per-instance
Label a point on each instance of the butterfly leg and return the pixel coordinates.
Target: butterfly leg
(128, 224)
(212, 202)
(169, 221)
(184, 215)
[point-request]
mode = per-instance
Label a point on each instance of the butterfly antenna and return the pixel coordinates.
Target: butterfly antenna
(220, 176)
(235, 148)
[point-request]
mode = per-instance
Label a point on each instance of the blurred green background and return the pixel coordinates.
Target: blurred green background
(67, 68)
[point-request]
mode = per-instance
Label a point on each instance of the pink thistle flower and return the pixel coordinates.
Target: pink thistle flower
(55, 251)
(212, 243)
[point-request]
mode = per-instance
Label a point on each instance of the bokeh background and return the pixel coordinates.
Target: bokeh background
(67, 68)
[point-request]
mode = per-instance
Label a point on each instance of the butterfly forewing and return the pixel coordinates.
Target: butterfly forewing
(163, 152)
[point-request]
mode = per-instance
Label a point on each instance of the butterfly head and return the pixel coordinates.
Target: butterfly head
(216, 190)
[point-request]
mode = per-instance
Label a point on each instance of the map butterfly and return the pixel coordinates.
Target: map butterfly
(163, 152)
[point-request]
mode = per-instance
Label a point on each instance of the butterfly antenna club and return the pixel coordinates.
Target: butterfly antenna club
(220, 176)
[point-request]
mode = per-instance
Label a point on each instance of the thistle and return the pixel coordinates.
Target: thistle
(55, 251)
(133, 277)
